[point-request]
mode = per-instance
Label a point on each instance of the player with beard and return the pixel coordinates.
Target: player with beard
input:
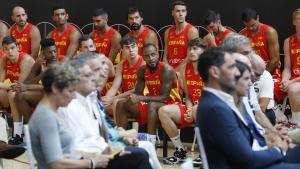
(65, 34)
(264, 40)
(139, 31)
(217, 32)
(27, 35)
(161, 81)
(177, 36)
(106, 38)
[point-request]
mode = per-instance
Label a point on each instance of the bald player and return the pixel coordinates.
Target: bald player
(138, 30)
(15, 66)
(27, 35)
(3, 32)
(177, 36)
(217, 32)
(106, 38)
(264, 39)
(65, 34)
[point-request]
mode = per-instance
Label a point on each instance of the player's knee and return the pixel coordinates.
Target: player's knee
(293, 89)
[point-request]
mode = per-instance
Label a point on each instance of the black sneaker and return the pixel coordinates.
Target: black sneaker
(178, 157)
(197, 162)
(16, 140)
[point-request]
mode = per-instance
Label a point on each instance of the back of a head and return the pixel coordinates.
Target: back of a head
(213, 56)
(60, 74)
(7, 40)
(178, 3)
(100, 12)
(248, 14)
(127, 40)
(47, 42)
(85, 56)
(211, 16)
(234, 40)
(242, 67)
(257, 62)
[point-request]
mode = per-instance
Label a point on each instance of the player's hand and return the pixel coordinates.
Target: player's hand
(284, 85)
(107, 100)
(19, 87)
(188, 116)
(134, 99)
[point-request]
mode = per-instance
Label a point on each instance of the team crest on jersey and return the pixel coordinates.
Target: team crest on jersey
(64, 38)
(260, 38)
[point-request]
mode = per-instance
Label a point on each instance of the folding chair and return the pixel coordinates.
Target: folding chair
(201, 148)
(31, 158)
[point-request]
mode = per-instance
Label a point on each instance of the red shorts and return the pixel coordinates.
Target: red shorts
(143, 110)
(183, 123)
(143, 113)
(279, 95)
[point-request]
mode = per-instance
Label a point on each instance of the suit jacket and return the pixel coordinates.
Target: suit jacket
(227, 138)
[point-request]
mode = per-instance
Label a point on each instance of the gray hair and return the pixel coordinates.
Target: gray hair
(61, 74)
(234, 40)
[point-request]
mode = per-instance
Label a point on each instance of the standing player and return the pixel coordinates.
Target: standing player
(27, 35)
(65, 34)
(106, 38)
(177, 36)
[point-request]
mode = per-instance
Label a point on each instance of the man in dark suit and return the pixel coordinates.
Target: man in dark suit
(228, 137)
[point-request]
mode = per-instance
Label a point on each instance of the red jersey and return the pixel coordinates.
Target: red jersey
(13, 70)
(294, 45)
(220, 39)
(1, 53)
(23, 37)
(141, 39)
(259, 43)
(194, 82)
(177, 45)
(62, 40)
(129, 74)
(102, 42)
(154, 82)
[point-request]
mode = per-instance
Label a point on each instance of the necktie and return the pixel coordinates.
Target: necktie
(254, 131)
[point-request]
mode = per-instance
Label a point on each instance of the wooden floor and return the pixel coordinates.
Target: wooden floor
(22, 161)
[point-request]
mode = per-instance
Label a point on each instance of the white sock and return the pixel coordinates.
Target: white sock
(18, 128)
(177, 142)
(152, 139)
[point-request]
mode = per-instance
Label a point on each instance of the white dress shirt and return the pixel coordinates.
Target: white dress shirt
(81, 120)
